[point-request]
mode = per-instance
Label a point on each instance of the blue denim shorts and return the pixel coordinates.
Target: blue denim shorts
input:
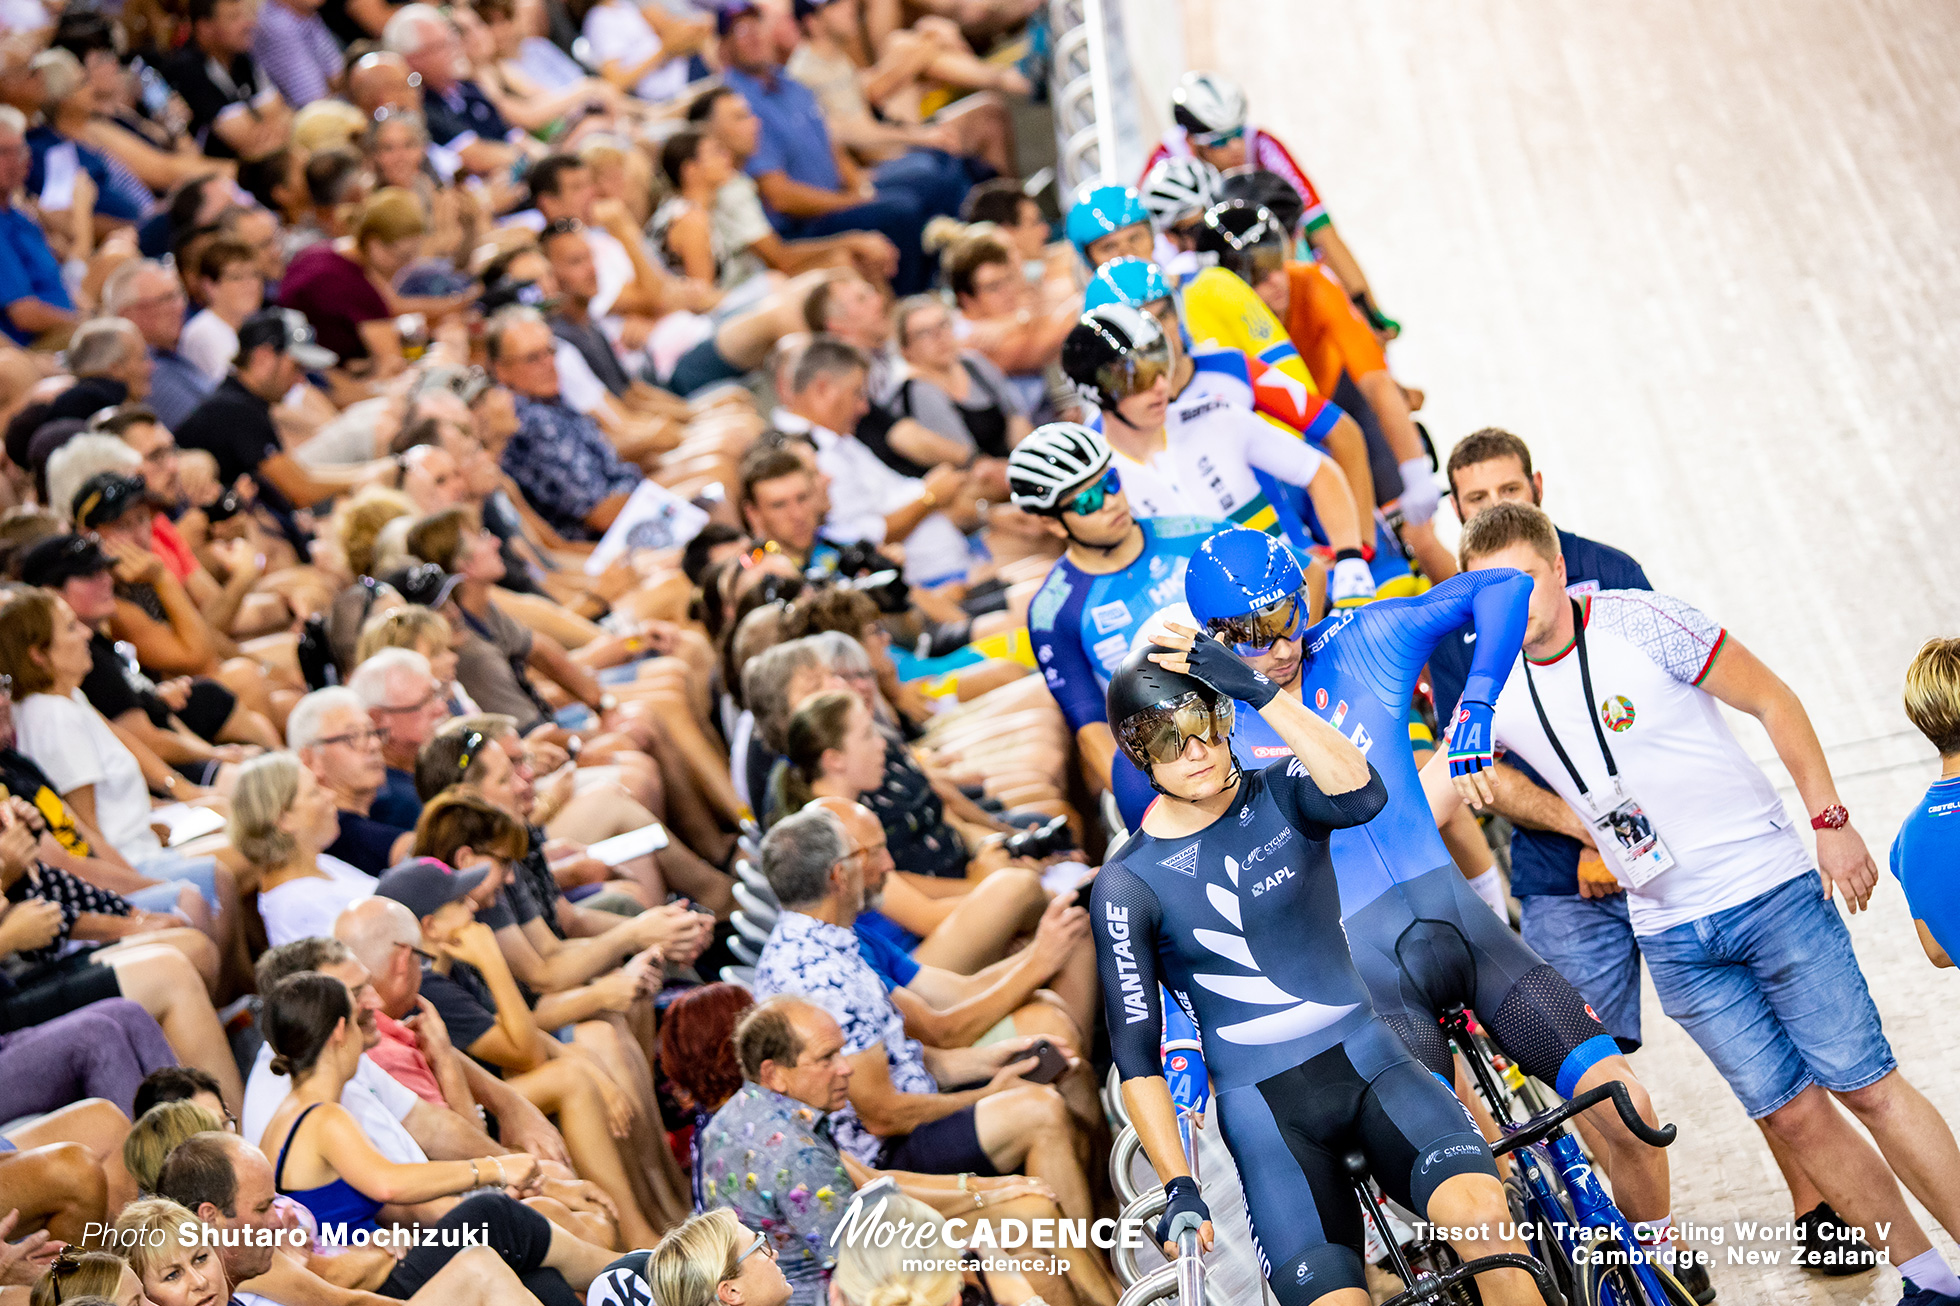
(1772, 992)
(200, 871)
(1591, 943)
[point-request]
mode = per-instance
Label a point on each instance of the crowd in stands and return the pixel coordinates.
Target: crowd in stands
(537, 687)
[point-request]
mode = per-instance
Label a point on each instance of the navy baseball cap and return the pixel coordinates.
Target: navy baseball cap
(425, 885)
(55, 561)
(728, 15)
(106, 496)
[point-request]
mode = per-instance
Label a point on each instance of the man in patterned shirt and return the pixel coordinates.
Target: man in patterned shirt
(293, 47)
(569, 470)
(1615, 702)
(896, 1116)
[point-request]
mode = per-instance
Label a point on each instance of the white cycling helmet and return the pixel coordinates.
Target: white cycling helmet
(1208, 106)
(1177, 188)
(1051, 461)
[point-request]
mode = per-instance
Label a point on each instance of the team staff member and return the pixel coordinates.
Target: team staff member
(1928, 847)
(1115, 572)
(1574, 911)
(1615, 703)
(1227, 895)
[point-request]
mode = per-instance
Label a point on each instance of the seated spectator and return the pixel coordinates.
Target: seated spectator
(872, 1270)
(697, 1054)
(460, 116)
(808, 187)
(532, 82)
(107, 359)
(693, 1263)
(229, 286)
(152, 298)
(36, 299)
(960, 403)
(870, 501)
(180, 1084)
(791, 1054)
(995, 316)
(231, 115)
(68, 110)
(75, 1275)
(331, 732)
(298, 54)
(724, 116)
(384, 932)
(326, 1162)
(282, 823)
(227, 1183)
(897, 1116)
(406, 703)
(149, 145)
(643, 51)
(398, 148)
(160, 1131)
(340, 286)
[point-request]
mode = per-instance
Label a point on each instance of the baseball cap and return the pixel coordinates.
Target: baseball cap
(729, 14)
(106, 496)
(53, 562)
(505, 293)
(425, 583)
(50, 436)
(804, 8)
(424, 885)
(287, 330)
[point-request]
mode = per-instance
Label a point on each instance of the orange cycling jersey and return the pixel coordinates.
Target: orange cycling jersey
(1324, 326)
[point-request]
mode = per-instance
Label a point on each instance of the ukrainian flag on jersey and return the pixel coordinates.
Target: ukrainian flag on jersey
(1222, 311)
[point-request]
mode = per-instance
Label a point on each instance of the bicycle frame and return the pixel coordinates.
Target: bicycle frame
(1557, 1177)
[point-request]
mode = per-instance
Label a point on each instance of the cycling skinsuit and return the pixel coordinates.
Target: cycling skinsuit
(1421, 937)
(1262, 150)
(1241, 922)
(1325, 327)
(1081, 624)
(1213, 453)
(1221, 312)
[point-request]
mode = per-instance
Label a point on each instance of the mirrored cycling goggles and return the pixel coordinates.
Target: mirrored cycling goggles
(1090, 499)
(1136, 371)
(1253, 633)
(1157, 735)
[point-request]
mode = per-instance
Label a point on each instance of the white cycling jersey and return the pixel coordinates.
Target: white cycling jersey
(1213, 446)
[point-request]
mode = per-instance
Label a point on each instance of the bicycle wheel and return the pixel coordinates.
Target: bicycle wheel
(1617, 1285)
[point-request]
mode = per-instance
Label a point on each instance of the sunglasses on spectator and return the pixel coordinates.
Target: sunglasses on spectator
(761, 1244)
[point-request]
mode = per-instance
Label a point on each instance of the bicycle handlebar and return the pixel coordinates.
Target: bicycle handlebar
(1539, 1129)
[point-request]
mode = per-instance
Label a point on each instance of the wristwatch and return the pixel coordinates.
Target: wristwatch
(1833, 817)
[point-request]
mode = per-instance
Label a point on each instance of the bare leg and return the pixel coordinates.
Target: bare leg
(623, 1059)
(475, 1276)
(1476, 1201)
(975, 933)
(1804, 1197)
(58, 1187)
(1029, 1131)
(96, 1124)
(1639, 1172)
(165, 984)
(1916, 1143)
(563, 1089)
(1849, 1173)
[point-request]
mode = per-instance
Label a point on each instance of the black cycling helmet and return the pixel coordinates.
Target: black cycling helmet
(1247, 239)
(1146, 703)
(1262, 186)
(1115, 351)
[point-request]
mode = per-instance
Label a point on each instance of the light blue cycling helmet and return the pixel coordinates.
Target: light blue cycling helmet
(1239, 571)
(1099, 210)
(1126, 280)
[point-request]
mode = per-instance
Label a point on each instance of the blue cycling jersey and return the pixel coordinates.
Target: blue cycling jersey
(1542, 862)
(1081, 624)
(1239, 922)
(1926, 858)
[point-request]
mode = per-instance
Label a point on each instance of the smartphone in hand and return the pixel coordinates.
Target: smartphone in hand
(1050, 1065)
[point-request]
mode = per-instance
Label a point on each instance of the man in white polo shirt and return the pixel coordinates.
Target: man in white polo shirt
(1614, 702)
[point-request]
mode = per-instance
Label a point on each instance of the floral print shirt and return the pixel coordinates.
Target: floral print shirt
(773, 1160)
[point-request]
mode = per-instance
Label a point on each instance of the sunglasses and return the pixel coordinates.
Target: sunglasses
(761, 1244)
(1091, 498)
(1212, 140)
(1158, 734)
(1253, 633)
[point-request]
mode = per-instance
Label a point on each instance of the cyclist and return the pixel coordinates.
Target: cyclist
(1197, 460)
(1422, 939)
(1250, 242)
(1202, 374)
(1210, 114)
(1227, 896)
(1176, 192)
(1115, 572)
(1107, 222)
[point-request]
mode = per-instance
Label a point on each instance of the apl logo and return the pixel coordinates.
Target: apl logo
(1617, 712)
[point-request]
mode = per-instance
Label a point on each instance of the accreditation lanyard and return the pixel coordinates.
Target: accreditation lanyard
(1592, 714)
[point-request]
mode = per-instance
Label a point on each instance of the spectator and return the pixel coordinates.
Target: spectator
(75, 1275)
(643, 51)
(331, 732)
(150, 297)
(296, 51)
(897, 1116)
(1925, 842)
(103, 1050)
(339, 285)
(68, 111)
(36, 300)
(460, 116)
(160, 1131)
(231, 287)
(1714, 823)
(569, 471)
(108, 361)
(808, 187)
(231, 115)
(961, 405)
(869, 500)
(692, 1263)
(406, 703)
(724, 116)
(282, 824)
